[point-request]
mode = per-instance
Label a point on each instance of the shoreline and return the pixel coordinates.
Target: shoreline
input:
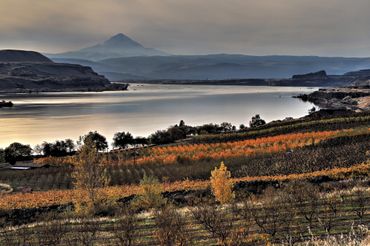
(349, 98)
(112, 87)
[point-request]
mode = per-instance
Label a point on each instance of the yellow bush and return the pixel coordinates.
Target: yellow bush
(221, 184)
(150, 193)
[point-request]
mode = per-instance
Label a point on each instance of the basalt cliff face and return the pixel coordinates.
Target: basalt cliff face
(29, 70)
(353, 92)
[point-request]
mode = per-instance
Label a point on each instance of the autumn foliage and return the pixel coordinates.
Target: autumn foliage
(222, 151)
(212, 151)
(221, 184)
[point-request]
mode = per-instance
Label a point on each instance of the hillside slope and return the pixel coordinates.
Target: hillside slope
(22, 56)
(28, 70)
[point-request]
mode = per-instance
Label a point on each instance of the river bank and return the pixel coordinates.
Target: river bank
(349, 98)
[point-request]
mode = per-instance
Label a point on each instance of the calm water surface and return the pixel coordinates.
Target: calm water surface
(141, 110)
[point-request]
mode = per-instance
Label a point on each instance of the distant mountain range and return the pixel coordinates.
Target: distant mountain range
(121, 58)
(117, 46)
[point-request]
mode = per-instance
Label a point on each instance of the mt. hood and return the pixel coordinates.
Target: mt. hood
(117, 46)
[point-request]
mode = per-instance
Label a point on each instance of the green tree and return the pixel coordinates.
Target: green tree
(177, 133)
(58, 148)
(98, 140)
(70, 145)
(226, 127)
(2, 156)
(140, 141)
(161, 137)
(122, 140)
(46, 148)
(257, 121)
(38, 150)
(17, 152)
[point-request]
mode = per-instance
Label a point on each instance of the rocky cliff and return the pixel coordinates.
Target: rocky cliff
(22, 56)
(357, 99)
(311, 76)
(28, 70)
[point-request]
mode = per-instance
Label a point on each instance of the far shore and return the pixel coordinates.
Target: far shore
(112, 87)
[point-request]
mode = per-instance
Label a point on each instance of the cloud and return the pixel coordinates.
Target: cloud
(330, 27)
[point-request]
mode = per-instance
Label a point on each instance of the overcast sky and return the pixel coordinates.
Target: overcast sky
(300, 27)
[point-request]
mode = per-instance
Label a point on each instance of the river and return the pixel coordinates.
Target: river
(141, 110)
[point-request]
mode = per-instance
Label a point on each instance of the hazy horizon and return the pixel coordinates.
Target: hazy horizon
(271, 27)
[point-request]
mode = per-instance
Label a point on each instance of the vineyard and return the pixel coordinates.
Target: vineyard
(62, 197)
(300, 152)
(278, 221)
(216, 151)
(300, 125)
(318, 170)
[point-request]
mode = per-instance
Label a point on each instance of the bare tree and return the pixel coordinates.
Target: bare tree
(273, 214)
(221, 223)
(125, 229)
(86, 232)
(51, 233)
(328, 212)
(171, 227)
(359, 203)
(305, 198)
(89, 176)
(18, 237)
(5, 237)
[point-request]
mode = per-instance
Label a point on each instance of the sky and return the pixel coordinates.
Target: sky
(256, 27)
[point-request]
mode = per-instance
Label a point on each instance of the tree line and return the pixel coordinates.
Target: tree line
(121, 140)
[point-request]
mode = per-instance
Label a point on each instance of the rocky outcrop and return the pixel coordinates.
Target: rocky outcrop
(22, 56)
(361, 82)
(309, 76)
(357, 99)
(359, 74)
(25, 70)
